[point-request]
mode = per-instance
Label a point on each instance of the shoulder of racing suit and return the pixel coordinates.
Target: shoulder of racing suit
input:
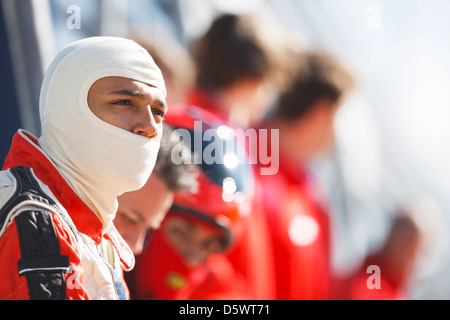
(29, 205)
(54, 259)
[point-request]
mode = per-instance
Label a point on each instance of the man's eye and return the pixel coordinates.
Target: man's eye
(122, 102)
(179, 233)
(212, 245)
(127, 219)
(159, 113)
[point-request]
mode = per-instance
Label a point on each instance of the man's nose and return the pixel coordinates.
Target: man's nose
(145, 123)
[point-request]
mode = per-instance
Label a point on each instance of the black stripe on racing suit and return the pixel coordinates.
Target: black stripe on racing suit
(41, 261)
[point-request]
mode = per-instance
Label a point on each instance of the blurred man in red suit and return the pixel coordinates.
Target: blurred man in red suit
(296, 212)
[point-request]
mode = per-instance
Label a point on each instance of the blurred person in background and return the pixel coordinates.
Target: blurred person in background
(295, 209)
(184, 258)
(241, 65)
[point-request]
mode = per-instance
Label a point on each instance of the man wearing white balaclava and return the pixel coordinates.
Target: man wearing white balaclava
(58, 193)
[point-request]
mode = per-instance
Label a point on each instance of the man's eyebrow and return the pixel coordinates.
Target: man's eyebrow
(161, 103)
(138, 94)
(130, 93)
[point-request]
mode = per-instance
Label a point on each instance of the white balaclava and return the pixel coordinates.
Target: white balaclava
(100, 161)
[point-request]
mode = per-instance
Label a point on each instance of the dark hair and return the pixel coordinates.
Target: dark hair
(178, 177)
(317, 76)
(235, 47)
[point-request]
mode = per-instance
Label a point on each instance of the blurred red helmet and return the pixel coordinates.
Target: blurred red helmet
(225, 182)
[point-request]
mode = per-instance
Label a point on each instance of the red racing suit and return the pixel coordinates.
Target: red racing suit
(52, 245)
(171, 279)
(299, 231)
